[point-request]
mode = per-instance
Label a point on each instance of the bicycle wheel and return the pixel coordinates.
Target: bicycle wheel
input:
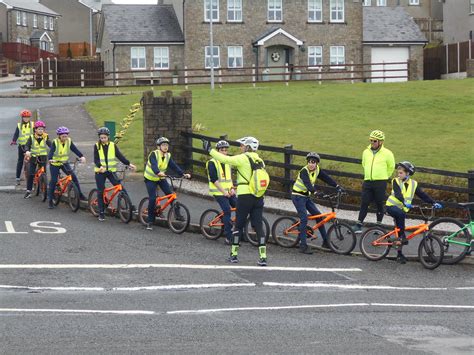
(251, 234)
(178, 217)
(143, 211)
(36, 186)
(92, 203)
(370, 251)
(211, 232)
(124, 207)
(57, 195)
(342, 240)
(431, 252)
(73, 197)
(283, 233)
(43, 187)
(448, 230)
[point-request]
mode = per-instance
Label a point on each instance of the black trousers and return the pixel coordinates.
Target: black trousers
(373, 191)
(249, 205)
(21, 158)
(35, 164)
(100, 179)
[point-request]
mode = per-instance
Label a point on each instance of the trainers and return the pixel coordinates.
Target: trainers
(149, 227)
(325, 245)
(357, 229)
(262, 262)
(304, 249)
(50, 204)
(101, 217)
(28, 194)
(233, 259)
(401, 259)
(17, 181)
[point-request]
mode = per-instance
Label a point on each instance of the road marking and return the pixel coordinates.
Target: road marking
(10, 229)
(85, 311)
(173, 266)
(360, 287)
(7, 187)
(448, 306)
(138, 288)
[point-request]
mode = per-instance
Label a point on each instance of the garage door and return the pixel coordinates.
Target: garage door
(398, 72)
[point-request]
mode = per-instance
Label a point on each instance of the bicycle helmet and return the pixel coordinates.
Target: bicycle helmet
(251, 142)
(409, 167)
(162, 140)
(313, 156)
(379, 135)
(222, 144)
(25, 113)
(39, 124)
(103, 130)
(62, 130)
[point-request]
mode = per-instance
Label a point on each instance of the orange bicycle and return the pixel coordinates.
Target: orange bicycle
(124, 206)
(40, 183)
(341, 238)
(178, 218)
(376, 242)
(66, 185)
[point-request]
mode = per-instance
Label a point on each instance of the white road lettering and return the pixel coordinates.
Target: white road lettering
(47, 229)
(10, 229)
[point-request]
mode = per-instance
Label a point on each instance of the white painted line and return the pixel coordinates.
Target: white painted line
(173, 266)
(84, 311)
(448, 306)
(7, 187)
(138, 288)
(355, 287)
(270, 308)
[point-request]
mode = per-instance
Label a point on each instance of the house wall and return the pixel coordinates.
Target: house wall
(178, 9)
(3, 22)
(458, 22)
(426, 8)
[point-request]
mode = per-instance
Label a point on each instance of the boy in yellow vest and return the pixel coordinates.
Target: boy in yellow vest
(23, 131)
(221, 187)
(303, 187)
(106, 154)
(157, 164)
(404, 188)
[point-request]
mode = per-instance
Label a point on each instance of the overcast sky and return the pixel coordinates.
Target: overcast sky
(135, 1)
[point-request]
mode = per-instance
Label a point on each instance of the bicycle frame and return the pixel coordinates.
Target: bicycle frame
(38, 174)
(450, 238)
(217, 221)
(63, 183)
(418, 229)
(111, 192)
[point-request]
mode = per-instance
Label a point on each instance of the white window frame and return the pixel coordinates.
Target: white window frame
(161, 55)
(472, 7)
(273, 8)
(24, 19)
(45, 23)
(414, 2)
(19, 40)
(35, 20)
(207, 57)
(138, 57)
(315, 7)
(51, 23)
(18, 18)
(381, 2)
(51, 47)
(367, 3)
(316, 57)
(337, 56)
(234, 7)
(214, 10)
(334, 7)
(235, 57)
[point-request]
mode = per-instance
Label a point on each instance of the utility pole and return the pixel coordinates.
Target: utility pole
(211, 43)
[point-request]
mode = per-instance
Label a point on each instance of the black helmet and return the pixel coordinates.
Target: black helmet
(103, 130)
(162, 140)
(222, 144)
(313, 156)
(409, 167)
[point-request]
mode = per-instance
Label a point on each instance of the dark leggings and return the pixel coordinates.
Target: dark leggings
(35, 163)
(100, 179)
(373, 191)
(399, 216)
(226, 204)
(249, 205)
(151, 187)
(54, 170)
(19, 163)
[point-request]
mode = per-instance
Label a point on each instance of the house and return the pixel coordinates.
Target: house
(139, 37)
(391, 35)
(29, 22)
(458, 20)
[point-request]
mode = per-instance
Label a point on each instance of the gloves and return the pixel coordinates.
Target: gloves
(340, 189)
(13, 143)
(437, 206)
(206, 145)
(408, 205)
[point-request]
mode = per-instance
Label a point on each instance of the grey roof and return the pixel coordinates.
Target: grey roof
(266, 33)
(29, 5)
(95, 4)
(142, 23)
(390, 24)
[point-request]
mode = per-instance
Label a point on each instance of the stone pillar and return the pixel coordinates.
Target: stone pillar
(168, 116)
(470, 68)
(412, 70)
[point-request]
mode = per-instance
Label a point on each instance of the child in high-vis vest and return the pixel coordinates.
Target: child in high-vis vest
(303, 187)
(106, 154)
(221, 187)
(404, 189)
(23, 131)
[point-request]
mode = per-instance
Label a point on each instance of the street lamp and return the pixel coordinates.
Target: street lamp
(211, 43)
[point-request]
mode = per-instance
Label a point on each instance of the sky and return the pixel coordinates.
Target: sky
(135, 1)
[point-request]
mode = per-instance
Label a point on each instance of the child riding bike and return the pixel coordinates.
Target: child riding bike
(37, 152)
(404, 189)
(303, 187)
(106, 154)
(58, 157)
(23, 131)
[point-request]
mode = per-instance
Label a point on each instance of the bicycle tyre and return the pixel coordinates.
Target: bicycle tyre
(73, 197)
(431, 252)
(36, 187)
(43, 187)
(453, 253)
(175, 225)
(280, 233)
(342, 239)
(124, 207)
(252, 236)
(92, 203)
(210, 232)
(57, 193)
(373, 253)
(143, 211)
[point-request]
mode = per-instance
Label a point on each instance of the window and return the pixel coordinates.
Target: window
(45, 23)
(19, 40)
(24, 19)
(216, 57)
(315, 56)
(35, 21)
(51, 47)
(414, 2)
(367, 3)
(51, 23)
(215, 10)
(472, 6)
(337, 56)
(161, 57)
(381, 2)
(138, 57)
(18, 18)
(234, 57)
(315, 11)
(337, 10)
(234, 10)
(275, 11)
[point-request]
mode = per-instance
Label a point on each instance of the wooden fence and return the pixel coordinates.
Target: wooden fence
(447, 59)
(20, 52)
(3, 68)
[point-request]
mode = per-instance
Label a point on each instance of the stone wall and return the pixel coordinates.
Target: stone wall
(168, 116)
(470, 68)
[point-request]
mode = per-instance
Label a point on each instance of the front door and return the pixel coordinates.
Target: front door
(278, 56)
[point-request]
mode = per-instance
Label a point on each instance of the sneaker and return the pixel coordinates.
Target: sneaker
(149, 226)
(304, 249)
(17, 181)
(357, 229)
(262, 262)
(50, 204)
(28, 194)
(325, 245)
(101, 217)
(401, 259)
(233, 259)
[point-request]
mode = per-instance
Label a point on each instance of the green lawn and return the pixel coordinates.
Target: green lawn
(430, 123)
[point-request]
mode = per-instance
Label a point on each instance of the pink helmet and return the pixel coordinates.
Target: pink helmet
(62, 130)
(40, 124)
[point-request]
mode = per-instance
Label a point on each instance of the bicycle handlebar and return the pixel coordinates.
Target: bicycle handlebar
(423, 208)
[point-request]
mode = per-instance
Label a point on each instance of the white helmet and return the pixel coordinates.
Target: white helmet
(251, 142)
